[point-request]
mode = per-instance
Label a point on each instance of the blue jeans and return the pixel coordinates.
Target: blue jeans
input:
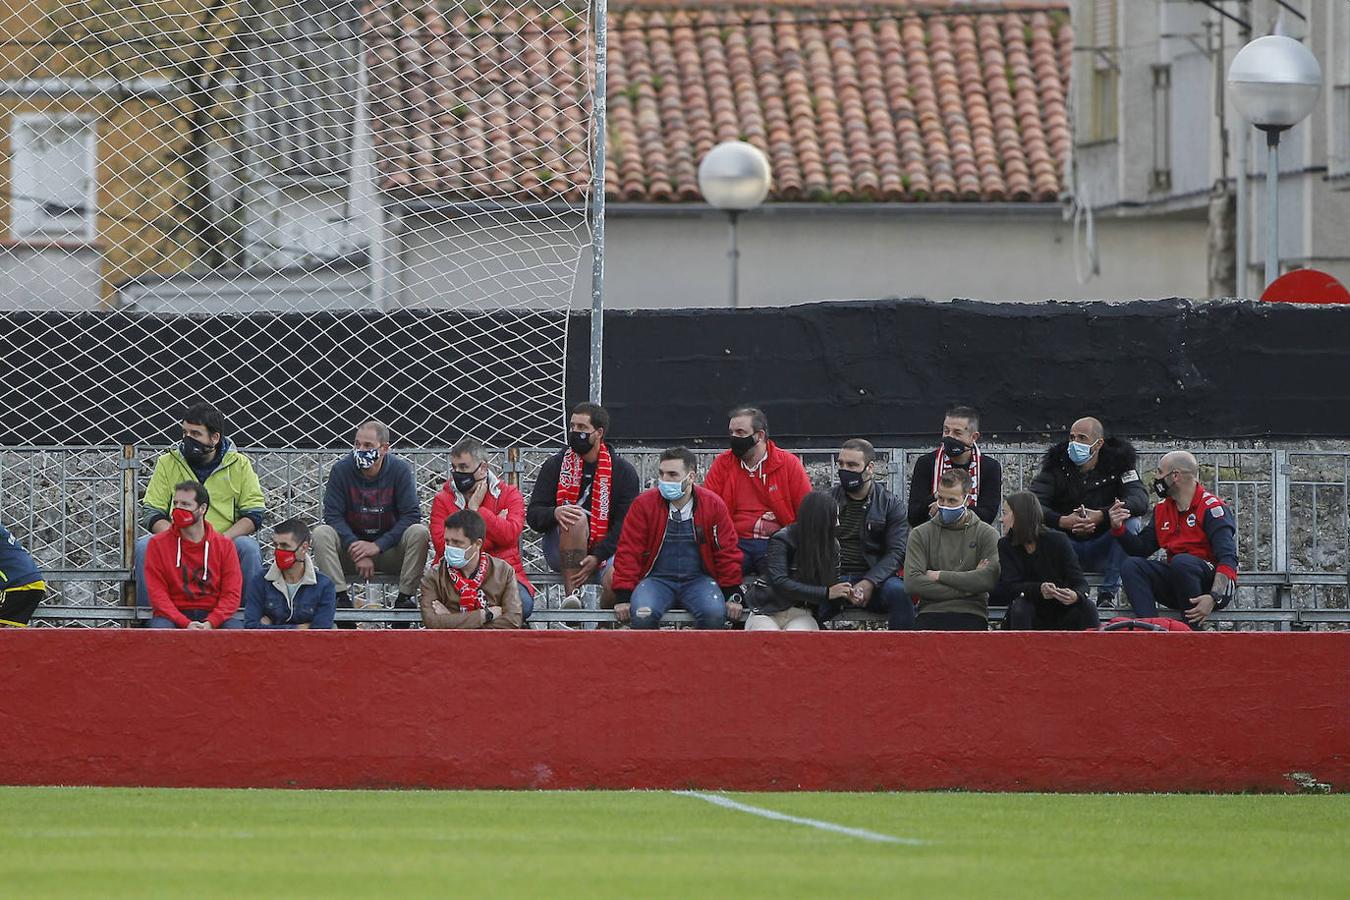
(1104, 554)
(526, 601)
(753, 551)
(889, 597)
(655, 595)
(197, 615)
(250, 564)
(1149, 582)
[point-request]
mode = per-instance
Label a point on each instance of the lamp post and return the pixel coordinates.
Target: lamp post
(734, 177)
(1275, 82)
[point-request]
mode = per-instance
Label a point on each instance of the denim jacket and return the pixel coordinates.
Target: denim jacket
(314, 605)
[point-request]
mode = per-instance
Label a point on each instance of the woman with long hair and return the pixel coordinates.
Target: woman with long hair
(1039, 572)
(802, 568)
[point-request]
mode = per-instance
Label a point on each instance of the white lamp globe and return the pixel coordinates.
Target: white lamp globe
(1275, 82)
(734, 176)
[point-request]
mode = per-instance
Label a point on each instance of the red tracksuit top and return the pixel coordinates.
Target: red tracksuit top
(1205, 530)
(780, 491)
(181, 574)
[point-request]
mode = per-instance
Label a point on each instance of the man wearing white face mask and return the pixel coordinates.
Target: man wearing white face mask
(469, 588)
(678, 546)
(951, 563)
(372, 519)
(1080, 480)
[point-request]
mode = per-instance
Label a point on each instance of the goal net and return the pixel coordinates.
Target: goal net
(302, 211)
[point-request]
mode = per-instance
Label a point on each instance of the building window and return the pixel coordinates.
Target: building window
(54, 191)
(1102, 119)
(1161, 177)
(1339, 126)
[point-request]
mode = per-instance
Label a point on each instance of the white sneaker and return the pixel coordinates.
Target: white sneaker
(572, 601)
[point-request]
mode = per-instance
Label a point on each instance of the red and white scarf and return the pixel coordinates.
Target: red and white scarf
(470, 590)
(943, 464)
(569, 489)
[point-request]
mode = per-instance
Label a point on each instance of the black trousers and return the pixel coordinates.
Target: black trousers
(1027, 615)
(17, 607)
(950, 621)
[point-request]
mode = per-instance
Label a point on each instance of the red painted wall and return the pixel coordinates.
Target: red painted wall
(855, 711)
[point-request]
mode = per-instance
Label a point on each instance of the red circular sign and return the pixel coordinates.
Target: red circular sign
(1306, 286)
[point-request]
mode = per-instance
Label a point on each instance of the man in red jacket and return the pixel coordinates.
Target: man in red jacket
(678, 545)
(192, 570)
(761, 485)
(475, 487)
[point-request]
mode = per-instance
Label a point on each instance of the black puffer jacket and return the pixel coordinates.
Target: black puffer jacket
(1062, 487)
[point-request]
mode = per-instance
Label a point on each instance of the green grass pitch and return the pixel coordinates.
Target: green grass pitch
(62, 842)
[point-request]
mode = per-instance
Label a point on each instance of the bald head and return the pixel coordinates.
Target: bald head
(1179, 461)
(1087, 430)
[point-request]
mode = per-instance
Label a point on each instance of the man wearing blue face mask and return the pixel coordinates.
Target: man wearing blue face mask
(372, 519)
(678, 546)
(951, 563)
(1080, 480)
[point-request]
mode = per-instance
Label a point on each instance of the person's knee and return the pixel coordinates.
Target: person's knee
(643, 617)
(1185, 562)
(324, 535)
(892, 591)
(248, 548)
(416, 535)
(1133, 566)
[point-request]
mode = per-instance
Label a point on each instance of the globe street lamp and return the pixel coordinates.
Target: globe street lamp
(734, 177)
(1275, 82)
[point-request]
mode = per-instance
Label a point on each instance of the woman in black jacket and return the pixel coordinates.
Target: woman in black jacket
(1039, 571)
(802, 568)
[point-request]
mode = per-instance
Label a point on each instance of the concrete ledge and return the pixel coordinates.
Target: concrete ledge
(994, 711)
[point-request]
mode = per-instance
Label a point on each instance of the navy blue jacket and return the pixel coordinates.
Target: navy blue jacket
(375, 509)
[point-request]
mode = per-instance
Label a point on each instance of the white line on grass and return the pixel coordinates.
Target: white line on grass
(728, 803)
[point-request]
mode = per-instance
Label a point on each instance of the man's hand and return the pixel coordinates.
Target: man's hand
(199, 626)
(621, 612)
(583, 573)
(475, 499)
(266, 620)
(862, 592)
(1048, 590)
(496, 611)
(933, 575)
(365, 567)
(1067, 596)
(360, 550)
(1200, 609)
(841, 591)
(734, 610)
(1095, 517)
(982, 564)
(932, 509)
(1120, 514)
(303, 626)
(568, 515)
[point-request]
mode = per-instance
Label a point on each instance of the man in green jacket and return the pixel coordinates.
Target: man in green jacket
(951, 564)
(206, 456)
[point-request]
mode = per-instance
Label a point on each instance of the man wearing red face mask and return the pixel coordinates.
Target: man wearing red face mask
(192, 570)
(292, 593)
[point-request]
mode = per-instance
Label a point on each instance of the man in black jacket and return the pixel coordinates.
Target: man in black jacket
(959, 450)
(580, 497)
(873, 534)
(1079, 481)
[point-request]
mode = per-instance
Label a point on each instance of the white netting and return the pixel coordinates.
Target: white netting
(303, 211)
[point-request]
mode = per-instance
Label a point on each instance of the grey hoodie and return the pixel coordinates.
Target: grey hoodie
(955, 552)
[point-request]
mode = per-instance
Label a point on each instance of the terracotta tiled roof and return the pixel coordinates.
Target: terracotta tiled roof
(895, 101)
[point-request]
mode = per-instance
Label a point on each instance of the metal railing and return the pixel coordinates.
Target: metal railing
(77, 509)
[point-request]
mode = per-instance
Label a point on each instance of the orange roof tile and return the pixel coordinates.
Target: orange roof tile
(891, 100)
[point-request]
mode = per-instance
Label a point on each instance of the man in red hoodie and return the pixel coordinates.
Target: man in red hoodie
(761, 485)
(678, 545)
(192, 570)
(475, 487)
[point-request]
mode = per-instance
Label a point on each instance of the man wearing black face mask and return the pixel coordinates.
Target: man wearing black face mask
(959, 450)
(206, 456)
(873, 534)
(579, 501)
(761, 485)
(474, 486)
(1196, 530)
